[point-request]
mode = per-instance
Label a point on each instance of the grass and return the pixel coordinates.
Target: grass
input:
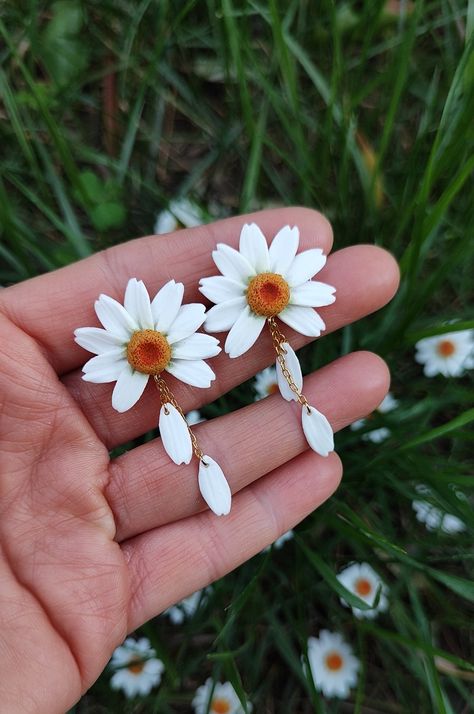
(364, 111)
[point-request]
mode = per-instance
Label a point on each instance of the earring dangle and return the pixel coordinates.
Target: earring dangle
(259, 283)
(145, 338)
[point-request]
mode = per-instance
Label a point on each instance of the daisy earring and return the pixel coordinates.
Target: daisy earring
(145, 338)
(259, 283)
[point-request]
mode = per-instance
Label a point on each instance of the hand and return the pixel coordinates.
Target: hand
(92, 548)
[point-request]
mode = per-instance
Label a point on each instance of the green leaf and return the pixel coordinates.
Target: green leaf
(108, 215)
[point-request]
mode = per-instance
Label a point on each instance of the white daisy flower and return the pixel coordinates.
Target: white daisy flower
(280, 542)
(449, 354)
(181, 212)
(362, 580)
(433, 517)
(377, 435)
(138, 669)
(259, 282)
(187, 607)
(194, 417)
(333, 666)
(144, 338)
(265, 383)
(216, 698)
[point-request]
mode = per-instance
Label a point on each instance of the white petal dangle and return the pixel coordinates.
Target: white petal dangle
(214, 487)
(175, 435)
(317, 430)
(294, 368)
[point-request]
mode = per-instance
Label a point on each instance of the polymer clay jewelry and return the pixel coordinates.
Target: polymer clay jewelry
(259, 283)
(142, 339)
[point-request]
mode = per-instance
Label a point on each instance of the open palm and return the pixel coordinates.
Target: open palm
(91, 547)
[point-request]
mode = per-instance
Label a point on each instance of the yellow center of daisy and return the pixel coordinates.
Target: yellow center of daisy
(363, 587)
(334, 661)
(446, 348)
(268, 294)
(136, 665)
(148, 351)
(273, 388)
(220, 706)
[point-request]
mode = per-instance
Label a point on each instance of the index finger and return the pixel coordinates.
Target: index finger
(51, 306)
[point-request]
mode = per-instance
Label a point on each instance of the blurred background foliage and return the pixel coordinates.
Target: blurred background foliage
(364, 110)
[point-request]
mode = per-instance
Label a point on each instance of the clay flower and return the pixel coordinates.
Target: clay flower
(362, 580)
(259, 282)
(449, 354)
(138, 669)
(333, 666)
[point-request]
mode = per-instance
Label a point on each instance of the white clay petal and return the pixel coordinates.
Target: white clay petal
(137, 304)
(253, 246)
(214, 487)
(304, 266)
(294, 368)
(283, 249)
(220, 318)
(175, 435)
(232, 264)
(189, 319)
(318, 431)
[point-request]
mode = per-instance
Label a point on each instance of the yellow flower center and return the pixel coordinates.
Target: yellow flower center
(272, 389)
(268, 294)
(220, 706)
(148, 351)
(334, 661)
(363, 587)
(136, 665)
(446, 348)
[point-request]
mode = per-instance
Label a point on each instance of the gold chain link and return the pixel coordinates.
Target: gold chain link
(278, 339)
(167, 397)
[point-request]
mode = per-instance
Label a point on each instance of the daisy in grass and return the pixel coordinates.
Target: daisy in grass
(449, 354)
(194, 417)
(181, 213)
(216, 698)
(137, 668)
(265, 383)
(377, 435)
(333, 666)
(259, 283)
(433, 517)
(362, 580)
(187, 607)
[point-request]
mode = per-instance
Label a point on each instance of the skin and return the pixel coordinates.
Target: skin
(92, 548)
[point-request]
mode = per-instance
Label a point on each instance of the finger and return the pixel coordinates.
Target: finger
(190, 554)
(52, 306)
(365, 278)
(146, 490)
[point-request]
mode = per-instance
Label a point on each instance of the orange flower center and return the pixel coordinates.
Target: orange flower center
(268, 294)
(363, 587)
(272, 389)
(148, 351)
(220, 706)
(334, 661)
(136, 665)
(446, 348)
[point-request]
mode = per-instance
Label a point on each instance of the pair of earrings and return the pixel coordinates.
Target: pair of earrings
(145, 338)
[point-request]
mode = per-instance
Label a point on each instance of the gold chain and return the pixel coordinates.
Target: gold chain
(278, 339)
(167, 397)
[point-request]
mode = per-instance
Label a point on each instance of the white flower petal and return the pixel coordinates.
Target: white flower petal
(313, 294)
(214, 487)
(294, 368)
(106, 367)
(197, 346)
(97, 340)
(233, 264)
(303, 319)
(304, 266)
(318, 431)
(137, 304)
(244, 333)
(166, 304)
(283, 249)
(165, 223)
(175, 435)
(194, 372)
(115, 318)
(129, 388)
(219, 289)
(253, 246)
(188, 320)
(220, 318)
